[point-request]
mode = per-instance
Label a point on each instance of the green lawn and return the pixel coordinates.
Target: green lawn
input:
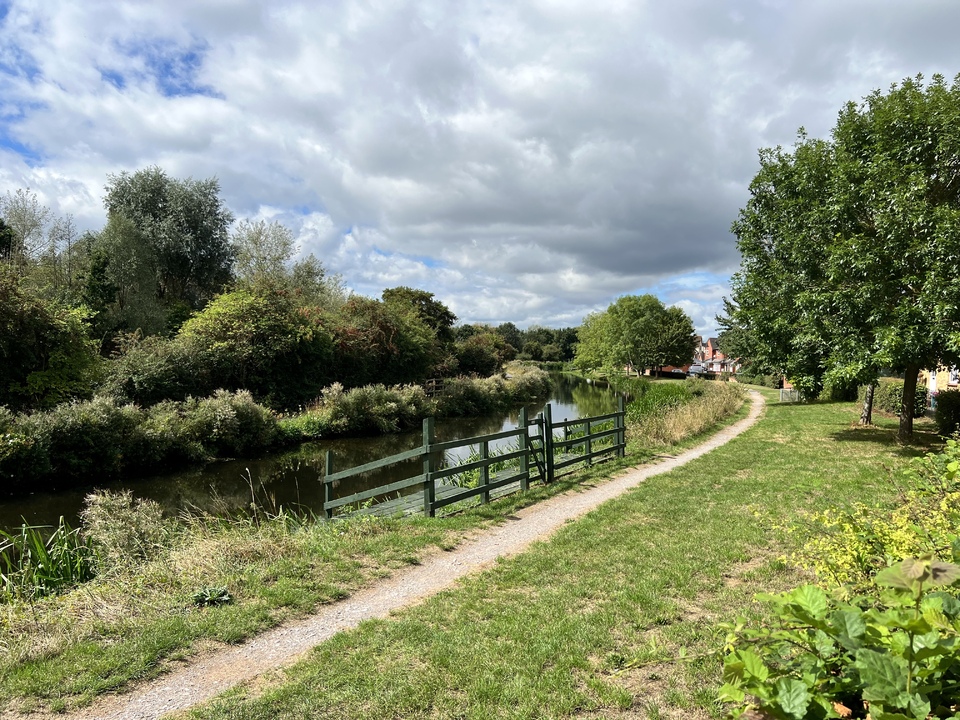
(588, 623)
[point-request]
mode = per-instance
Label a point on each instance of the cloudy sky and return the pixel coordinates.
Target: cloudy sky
(524, 160)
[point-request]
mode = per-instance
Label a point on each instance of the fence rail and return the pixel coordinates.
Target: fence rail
(538, 455)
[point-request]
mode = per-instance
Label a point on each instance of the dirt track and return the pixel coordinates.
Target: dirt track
(205, 677)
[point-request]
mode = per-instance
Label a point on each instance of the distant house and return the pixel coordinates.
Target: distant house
(941, 378)
(708, 354)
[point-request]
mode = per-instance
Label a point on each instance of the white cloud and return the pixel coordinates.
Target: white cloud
(523, 161)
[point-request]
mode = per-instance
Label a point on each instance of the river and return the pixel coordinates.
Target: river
(291, 478)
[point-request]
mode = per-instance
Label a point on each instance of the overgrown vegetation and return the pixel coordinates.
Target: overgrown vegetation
(159, 585)
(880, 635)
(104, 437)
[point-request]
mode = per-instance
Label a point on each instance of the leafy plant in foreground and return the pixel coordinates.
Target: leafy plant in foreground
(895, 657)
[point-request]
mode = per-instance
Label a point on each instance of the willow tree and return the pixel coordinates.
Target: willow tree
(851, 247)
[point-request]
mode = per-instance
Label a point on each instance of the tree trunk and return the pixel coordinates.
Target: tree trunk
(866, 414)
(906, 408)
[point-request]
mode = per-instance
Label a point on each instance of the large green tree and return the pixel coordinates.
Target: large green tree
(637, 330)
(186, 222)
(851, 247)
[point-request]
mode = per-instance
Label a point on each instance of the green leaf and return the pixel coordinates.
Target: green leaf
(811, 599)
(753, 666)
(794, 697)
(730, 692)
(850, 628)
(895, 577)
(883, 678)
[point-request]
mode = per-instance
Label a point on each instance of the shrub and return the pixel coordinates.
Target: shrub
(229, 423)
(849, 546)
(947, 412)
(149, 370)
(888, 397)
(123, 530)
(891, 656)
(84, 438)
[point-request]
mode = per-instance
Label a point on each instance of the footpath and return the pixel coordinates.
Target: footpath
(206, 676)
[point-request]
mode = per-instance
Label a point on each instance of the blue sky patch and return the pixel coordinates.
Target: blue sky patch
(32, 157)
(172, 68)
(114, 78)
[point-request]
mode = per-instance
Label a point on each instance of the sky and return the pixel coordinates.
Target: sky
(526, 161)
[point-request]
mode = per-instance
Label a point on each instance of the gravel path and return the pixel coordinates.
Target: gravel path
(206, 676)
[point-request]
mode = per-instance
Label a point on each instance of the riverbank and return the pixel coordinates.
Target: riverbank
(103, 439)
(135, 619)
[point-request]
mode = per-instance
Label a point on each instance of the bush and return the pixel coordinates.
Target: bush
(947, 412)
(888, 397)
(123, 530)
(846, 547)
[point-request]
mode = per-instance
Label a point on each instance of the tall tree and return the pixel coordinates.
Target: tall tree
(27, 219)
(431, 311)
(639, 331)
(868, 236)
(187, 224)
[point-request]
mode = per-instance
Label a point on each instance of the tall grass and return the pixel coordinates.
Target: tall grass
(668, 419)
(35, 562)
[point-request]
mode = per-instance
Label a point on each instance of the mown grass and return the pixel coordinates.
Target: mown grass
(590, 623)
(136, 618)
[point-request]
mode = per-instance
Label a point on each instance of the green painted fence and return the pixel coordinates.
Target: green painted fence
(538, 450)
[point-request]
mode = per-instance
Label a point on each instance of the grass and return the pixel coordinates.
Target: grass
(590, 623)
(140, 613)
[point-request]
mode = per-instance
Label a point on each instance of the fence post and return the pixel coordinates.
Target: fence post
(622, 424)
(525, 446)
(589, 444)
(485, 471)
(429, 484)
(327, 486)
(548, 442)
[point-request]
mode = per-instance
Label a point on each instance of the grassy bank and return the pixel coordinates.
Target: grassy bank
(141, 612)
(589, 624)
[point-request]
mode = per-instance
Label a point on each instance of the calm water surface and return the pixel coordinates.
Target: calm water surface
(292, 478)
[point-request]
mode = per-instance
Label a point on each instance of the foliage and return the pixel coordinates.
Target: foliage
(849, 255)
(210, 596)
(483, 353)
(947, 412)
(432, 312)
(185, 222)
(45, 354)
(847, 546)
(894, 655)
(888, 396)
(128, 284)
(262, 342)
(35, 562)
(123, 530)
(658, 398)
(103, 437)
(639, 331)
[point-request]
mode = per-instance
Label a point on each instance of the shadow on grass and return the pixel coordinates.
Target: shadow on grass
(924, 440)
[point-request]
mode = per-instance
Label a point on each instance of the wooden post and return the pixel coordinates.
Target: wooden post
(588, 445)
(327, 486)
(524, 439)
(485, 471)
(548, 442)
(622, 424)
(429, 484)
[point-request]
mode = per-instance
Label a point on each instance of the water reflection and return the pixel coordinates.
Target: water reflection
(290, 478)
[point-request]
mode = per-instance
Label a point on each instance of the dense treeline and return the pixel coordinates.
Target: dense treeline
(166, 302)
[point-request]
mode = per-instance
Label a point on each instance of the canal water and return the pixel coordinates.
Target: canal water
(291, 479)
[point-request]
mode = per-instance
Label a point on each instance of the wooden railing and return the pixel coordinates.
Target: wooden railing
(527, 458)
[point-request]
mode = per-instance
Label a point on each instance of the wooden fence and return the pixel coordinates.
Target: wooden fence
(529, 453)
